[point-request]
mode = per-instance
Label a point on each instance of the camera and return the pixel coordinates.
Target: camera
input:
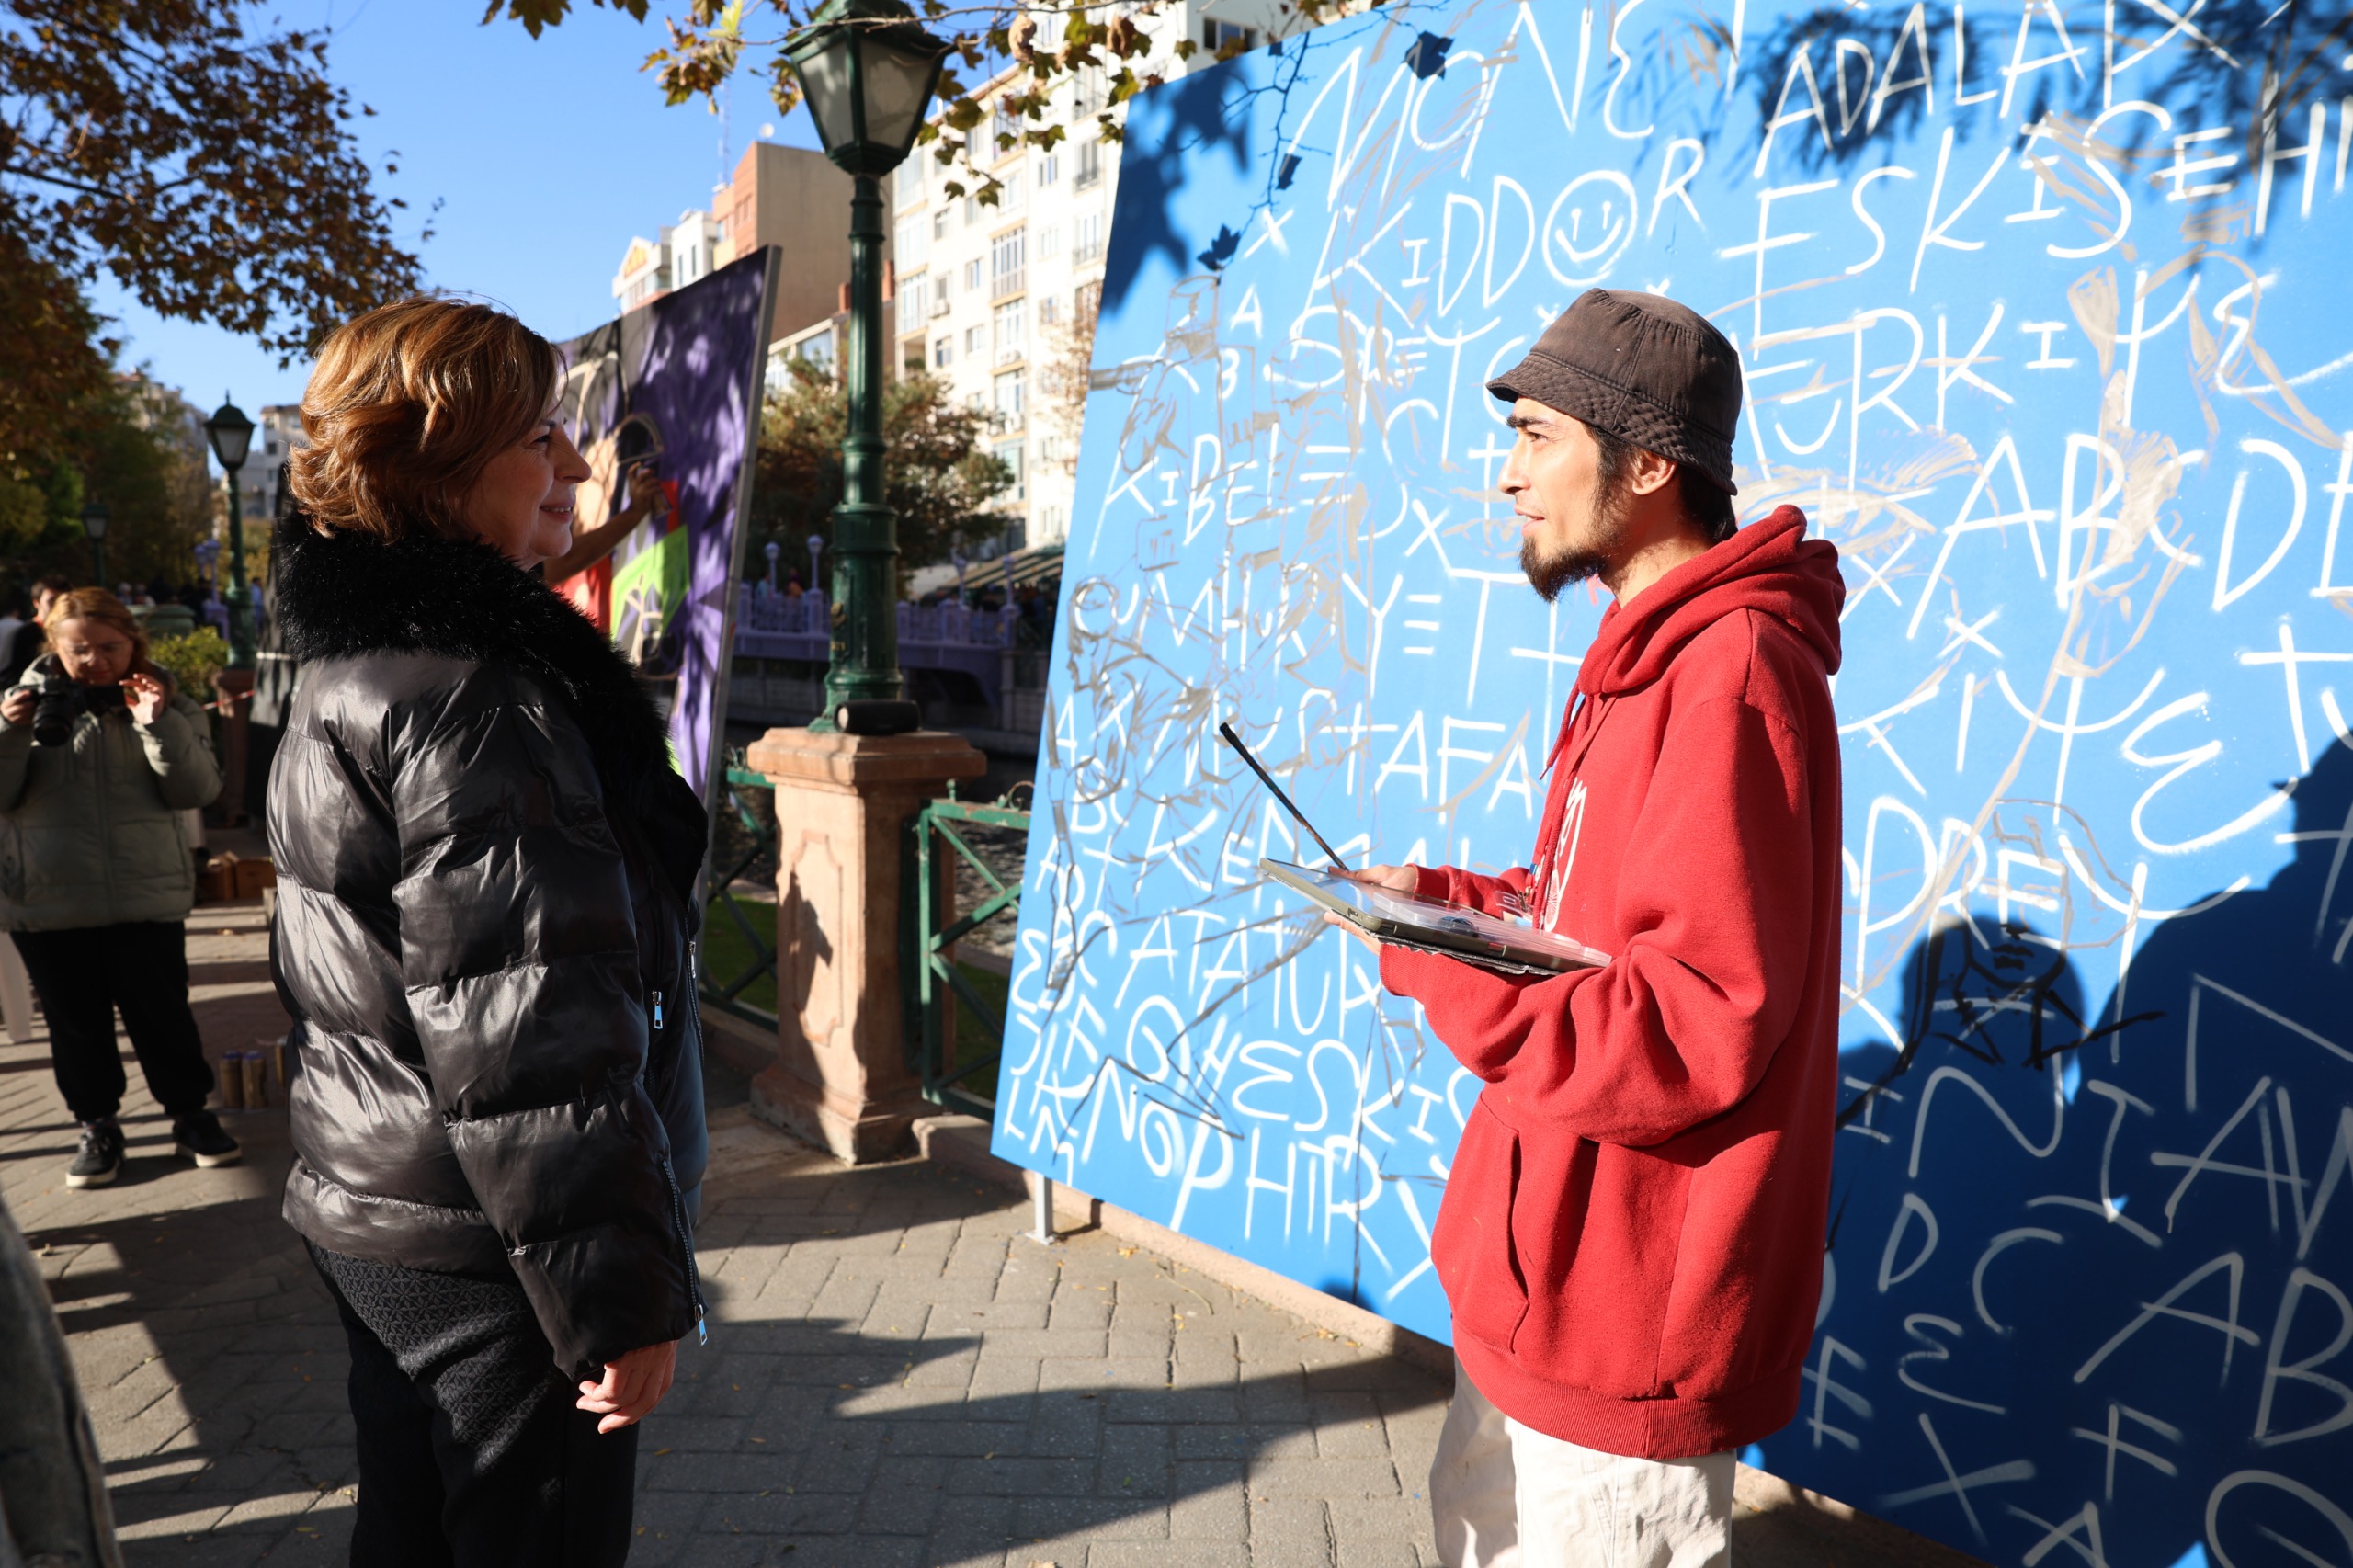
(63, 699)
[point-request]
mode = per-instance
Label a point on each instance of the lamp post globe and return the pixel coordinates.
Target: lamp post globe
(868, 72)
(94, 518)
(231, 436)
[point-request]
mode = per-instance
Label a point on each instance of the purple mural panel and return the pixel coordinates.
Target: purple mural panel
(675, 386)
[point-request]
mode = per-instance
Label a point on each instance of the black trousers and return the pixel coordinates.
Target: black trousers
(472, 1454)
(82, 976)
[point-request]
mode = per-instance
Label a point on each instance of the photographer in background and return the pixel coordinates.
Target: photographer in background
(98, 757)
(26, 640)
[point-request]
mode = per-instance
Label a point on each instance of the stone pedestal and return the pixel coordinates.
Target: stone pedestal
(842, 1078)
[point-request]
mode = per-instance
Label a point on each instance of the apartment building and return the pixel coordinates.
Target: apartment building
(676, 257)
(1000, 301)
(790, 197)
(997, 300)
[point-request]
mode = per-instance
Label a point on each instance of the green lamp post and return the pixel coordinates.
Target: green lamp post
(868, 72)
(231, 434)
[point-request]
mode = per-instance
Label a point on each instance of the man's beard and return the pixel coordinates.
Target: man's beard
(1548, 575)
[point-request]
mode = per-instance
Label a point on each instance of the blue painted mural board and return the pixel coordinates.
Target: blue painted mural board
(2045, 324)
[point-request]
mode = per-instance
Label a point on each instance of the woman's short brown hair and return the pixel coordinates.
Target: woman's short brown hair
(97, 604)
(407, 405)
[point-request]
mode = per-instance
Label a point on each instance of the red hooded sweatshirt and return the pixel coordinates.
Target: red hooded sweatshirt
(1631, 1234)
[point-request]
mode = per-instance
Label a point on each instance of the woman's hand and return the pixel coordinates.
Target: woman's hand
(633, 1387)
(144, 695)
(1393, 878)
(17, 707)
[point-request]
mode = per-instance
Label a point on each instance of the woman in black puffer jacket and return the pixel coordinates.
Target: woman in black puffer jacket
(486, 870)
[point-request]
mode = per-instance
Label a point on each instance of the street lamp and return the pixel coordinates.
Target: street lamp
(94, 518)
(231, 434)
(868, 72)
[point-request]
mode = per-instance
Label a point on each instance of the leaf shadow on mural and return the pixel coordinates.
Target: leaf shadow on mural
(1850, 85)
(2177, 1150)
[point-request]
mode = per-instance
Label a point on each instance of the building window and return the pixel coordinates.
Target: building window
(1050, 310)
(1006, 129)
(1050, 240)
(1008, 269)
(911, 179)
(943, 351)
(1051, 524)
(972, 276)
(939, 223)
(817, 350)
(1009, 198)
(1050, 170)
(972, 211)
(973, 340)
(907, 244)
(1090, 163)
(1086, 97)
(1011, 324)
(1011, 398)
(1216, 36)
(915, 303)
(1090, 240)
(1009, 454)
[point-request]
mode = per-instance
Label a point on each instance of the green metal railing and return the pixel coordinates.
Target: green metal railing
(726, 992)
(935, 986)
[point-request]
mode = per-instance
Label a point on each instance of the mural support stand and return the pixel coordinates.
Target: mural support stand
(1042, 1209)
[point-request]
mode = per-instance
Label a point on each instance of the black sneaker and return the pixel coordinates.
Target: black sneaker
(199, 1138)
(99, 1160)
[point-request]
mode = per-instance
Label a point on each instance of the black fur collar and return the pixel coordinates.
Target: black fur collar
(340, 594)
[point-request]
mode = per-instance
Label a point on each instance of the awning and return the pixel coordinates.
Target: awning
(1034, 564)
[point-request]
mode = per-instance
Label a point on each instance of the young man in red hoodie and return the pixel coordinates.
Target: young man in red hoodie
(1631, 1236)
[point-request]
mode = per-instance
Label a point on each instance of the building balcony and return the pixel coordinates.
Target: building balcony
(1005, 285)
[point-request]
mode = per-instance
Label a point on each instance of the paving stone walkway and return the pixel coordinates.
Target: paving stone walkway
(895, 1375)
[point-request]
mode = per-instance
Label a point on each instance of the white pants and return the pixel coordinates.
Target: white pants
(1504, 1495)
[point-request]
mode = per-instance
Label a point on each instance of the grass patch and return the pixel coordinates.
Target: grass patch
(727, 953)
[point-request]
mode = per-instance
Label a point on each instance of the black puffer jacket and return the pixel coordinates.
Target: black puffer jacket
(485, 919)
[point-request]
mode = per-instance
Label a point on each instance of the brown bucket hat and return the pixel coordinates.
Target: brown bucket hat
(1642, 367)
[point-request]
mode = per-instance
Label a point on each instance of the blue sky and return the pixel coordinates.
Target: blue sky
(548, 156)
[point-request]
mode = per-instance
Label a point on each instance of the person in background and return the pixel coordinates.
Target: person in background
(96, 876)
(643, 500)
(27, 642)
(485, 931)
